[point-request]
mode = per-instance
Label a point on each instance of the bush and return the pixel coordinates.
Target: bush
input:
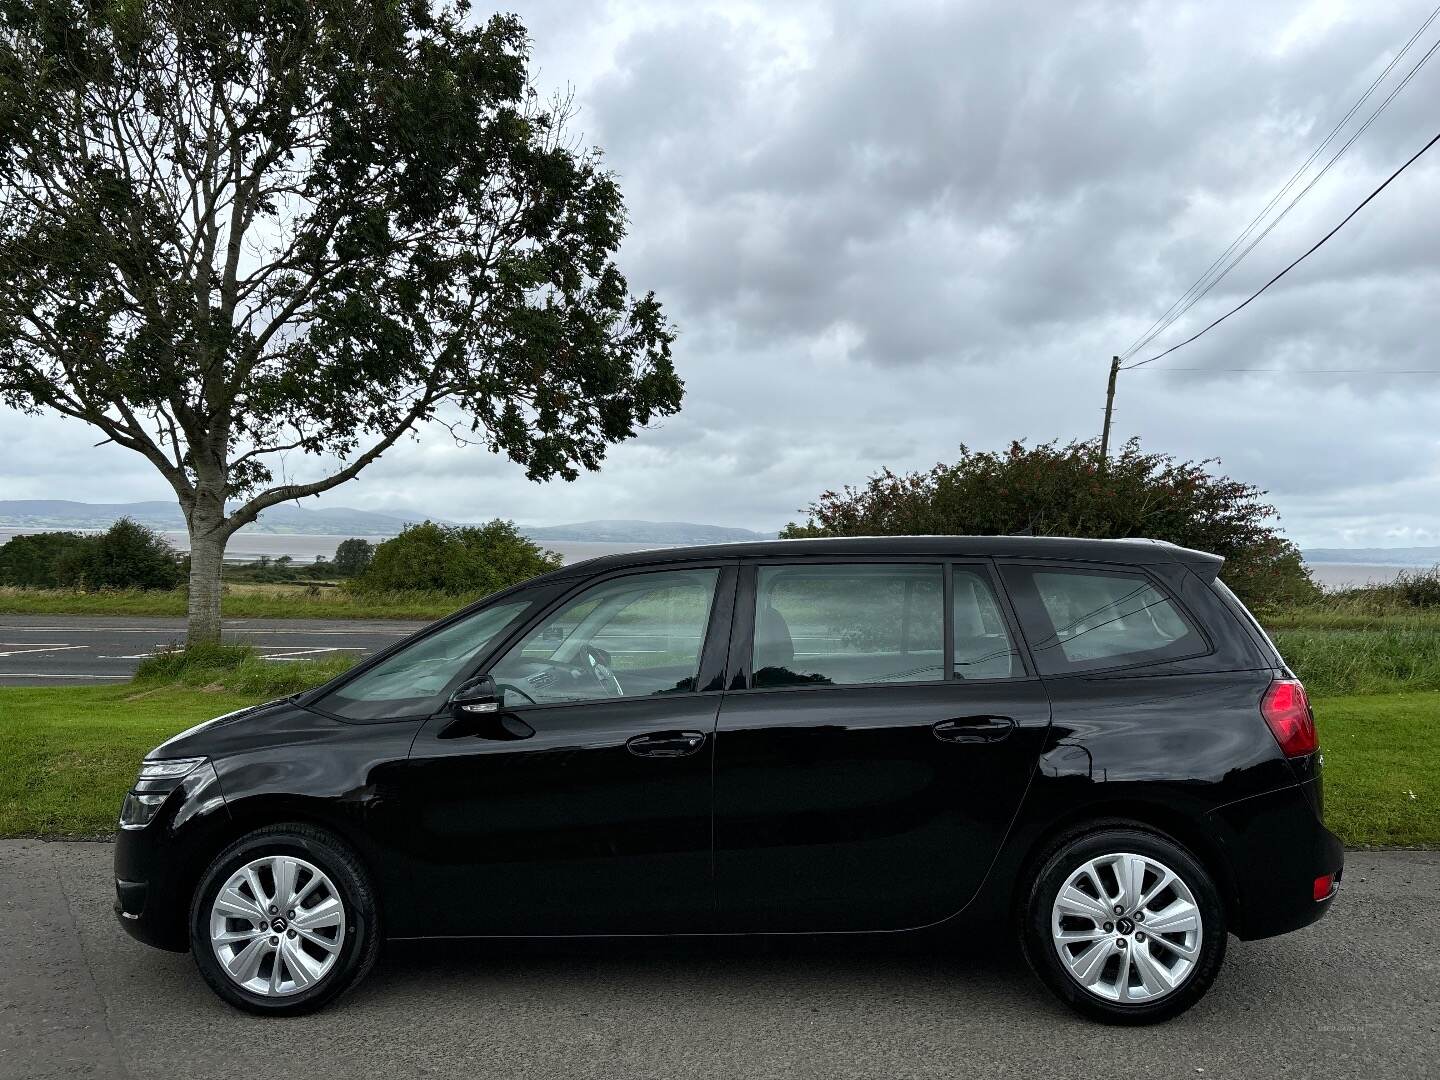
(47, 560)
(1054, 490)
(460, 560)
(127, 555)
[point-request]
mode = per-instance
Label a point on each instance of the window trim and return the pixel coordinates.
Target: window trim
(740, 678)
(709, 676)
(1024, 596)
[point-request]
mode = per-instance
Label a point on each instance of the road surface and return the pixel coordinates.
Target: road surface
(1357, 995)
(68, 650)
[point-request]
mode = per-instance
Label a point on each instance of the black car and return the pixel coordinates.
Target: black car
(1089, 741)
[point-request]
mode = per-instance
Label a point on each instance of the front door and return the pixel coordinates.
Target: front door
(584, 806)
(876, 748)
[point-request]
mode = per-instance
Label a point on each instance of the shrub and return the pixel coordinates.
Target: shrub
(47, 560)
(470, 560)
(129, 555)
(1054, 490)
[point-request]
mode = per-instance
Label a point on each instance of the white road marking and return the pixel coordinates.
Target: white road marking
(20, 648)
(49, 675)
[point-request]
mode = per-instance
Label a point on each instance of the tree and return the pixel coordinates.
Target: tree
(464, 560)
(1053, 490)
(236, 230)
(353, 556)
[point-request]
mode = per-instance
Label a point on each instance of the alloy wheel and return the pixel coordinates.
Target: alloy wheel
(277, 925)
(1126, 928)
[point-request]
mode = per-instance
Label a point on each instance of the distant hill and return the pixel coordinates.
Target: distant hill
(288, 519)
(1411, 556)
(641, 532)
(166, 516)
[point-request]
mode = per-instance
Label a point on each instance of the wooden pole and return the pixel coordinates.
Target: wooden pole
(1109, 409)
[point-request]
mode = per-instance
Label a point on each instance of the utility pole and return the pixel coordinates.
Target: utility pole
(1109, 408)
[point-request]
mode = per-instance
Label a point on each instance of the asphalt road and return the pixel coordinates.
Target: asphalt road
(1358, 995)
(68, 650)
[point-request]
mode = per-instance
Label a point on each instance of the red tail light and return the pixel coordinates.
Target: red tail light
(1287, 710)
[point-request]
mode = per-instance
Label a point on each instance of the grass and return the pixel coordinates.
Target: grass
(1387, 661)
(235, 669)
(242, 601)
(1382, 768)
(67, 755)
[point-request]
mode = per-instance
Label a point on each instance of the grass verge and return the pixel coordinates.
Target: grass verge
(67, 755)
(241, 602)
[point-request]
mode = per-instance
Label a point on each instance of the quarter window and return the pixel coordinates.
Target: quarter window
(983, 649)
(631, 636)
(1086, 619)
(842, 625)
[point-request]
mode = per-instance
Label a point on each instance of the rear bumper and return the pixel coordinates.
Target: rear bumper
(1277, 846)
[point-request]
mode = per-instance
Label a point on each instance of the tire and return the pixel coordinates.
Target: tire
(284, 970)
(1153, 976)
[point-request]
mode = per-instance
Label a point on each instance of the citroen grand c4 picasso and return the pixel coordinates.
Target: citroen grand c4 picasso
(1087, 743)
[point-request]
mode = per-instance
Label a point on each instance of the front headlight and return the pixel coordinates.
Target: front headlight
(157, 781)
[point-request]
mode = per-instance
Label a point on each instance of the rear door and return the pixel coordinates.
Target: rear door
(875, 743)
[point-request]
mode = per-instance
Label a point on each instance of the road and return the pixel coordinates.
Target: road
(69, 650)
(1358, 995)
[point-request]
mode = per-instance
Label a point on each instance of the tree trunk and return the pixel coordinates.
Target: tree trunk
(207, 555)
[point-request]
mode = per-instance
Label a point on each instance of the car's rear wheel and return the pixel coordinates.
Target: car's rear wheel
(283, 921)
(1124, 925)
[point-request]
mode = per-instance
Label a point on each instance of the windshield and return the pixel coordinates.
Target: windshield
(415, 681)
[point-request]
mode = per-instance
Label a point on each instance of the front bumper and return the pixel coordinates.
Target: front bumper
(157, 868)
(1277, 846)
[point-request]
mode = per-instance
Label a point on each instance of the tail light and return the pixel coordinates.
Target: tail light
(1287, 711)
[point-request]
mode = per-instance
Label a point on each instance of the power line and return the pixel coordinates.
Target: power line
(1317, 246)
(1315, 371)
(1206, 282)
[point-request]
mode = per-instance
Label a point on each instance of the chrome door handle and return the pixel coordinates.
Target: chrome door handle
(666, 744)
(974, 729)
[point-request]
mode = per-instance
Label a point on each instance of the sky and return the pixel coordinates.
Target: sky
(884, 229)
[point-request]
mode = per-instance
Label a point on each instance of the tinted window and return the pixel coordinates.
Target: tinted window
(628, 637)
(983, 649)
(1091, 619)
(839, 625)
(414, 682)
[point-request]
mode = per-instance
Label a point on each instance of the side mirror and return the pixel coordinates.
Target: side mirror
(476, 697)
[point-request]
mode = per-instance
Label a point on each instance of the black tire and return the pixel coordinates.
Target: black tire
(361, 936)
(1064, 859)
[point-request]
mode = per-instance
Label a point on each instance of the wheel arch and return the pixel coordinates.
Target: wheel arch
(1122, 813)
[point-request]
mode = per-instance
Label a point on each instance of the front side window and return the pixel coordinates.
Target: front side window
(414, 682)
(631, 636)
(837, 625)
(1093, 619)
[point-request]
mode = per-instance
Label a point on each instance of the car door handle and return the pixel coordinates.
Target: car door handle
(664, 744)
(974, 729)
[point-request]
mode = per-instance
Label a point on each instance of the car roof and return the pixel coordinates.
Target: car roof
(1128, 551)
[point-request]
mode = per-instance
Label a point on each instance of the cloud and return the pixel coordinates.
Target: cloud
(886, 229)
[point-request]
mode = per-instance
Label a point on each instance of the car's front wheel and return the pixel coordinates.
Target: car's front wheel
(283, 921)
(1124, 925)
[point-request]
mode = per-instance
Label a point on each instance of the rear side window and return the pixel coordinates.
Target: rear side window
(848, 625)
(1089, 620)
